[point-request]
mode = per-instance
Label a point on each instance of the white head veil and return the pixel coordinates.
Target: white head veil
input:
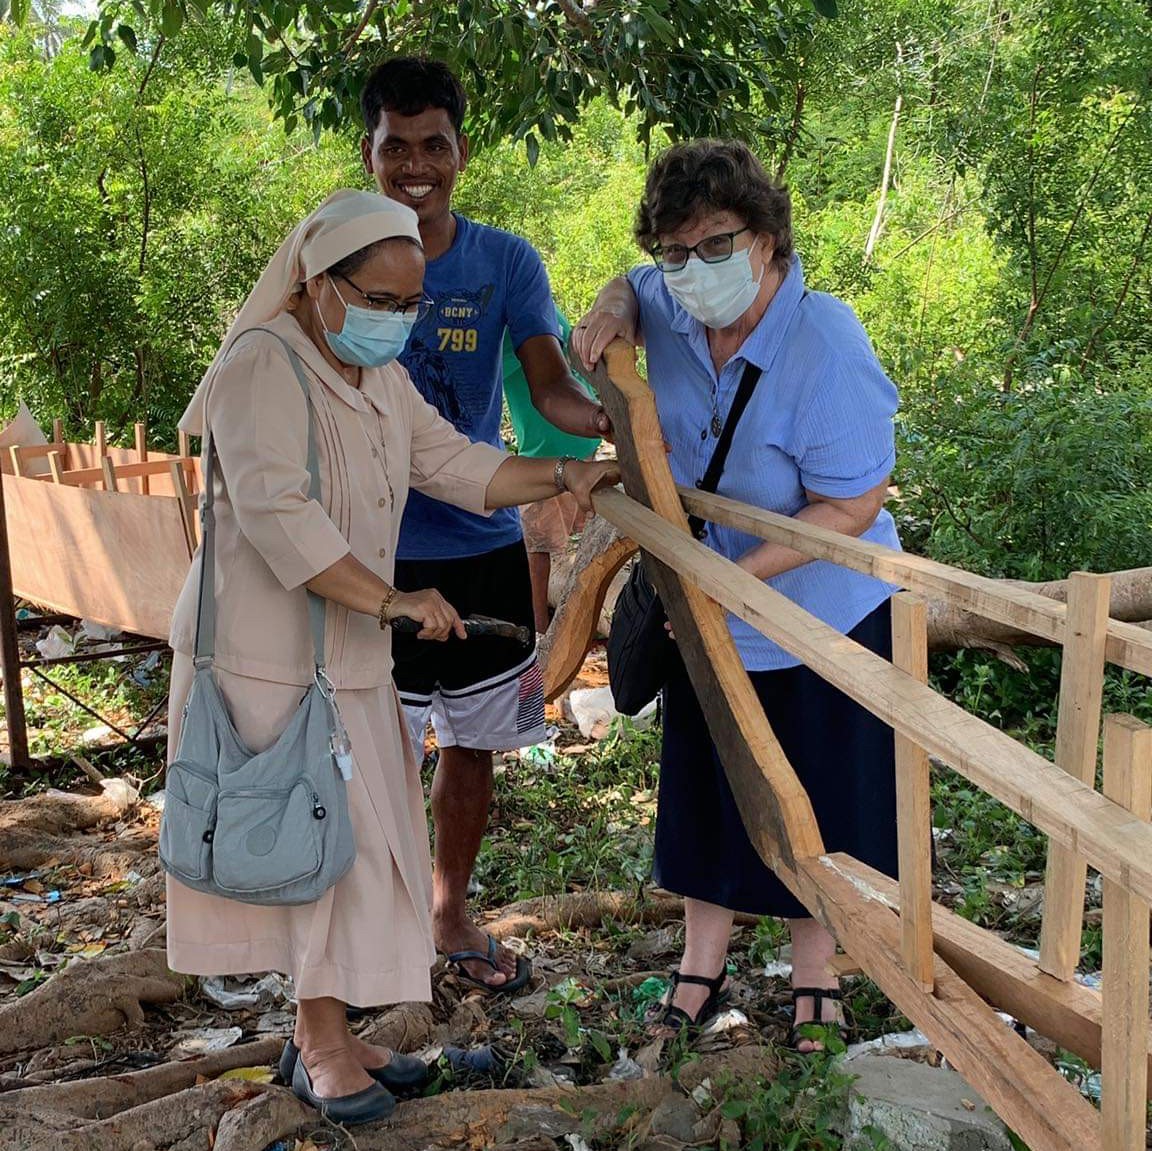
(346, 222)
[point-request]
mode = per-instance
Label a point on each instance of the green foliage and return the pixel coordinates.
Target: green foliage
(802, 1109)
(138, 210)
(579, 824)
(703, 67)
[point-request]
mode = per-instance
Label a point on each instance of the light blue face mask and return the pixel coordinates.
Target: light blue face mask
(368, 339)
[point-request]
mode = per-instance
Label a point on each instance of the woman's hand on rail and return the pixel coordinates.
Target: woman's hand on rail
(614, 315)
(582, 478)
(429, 607)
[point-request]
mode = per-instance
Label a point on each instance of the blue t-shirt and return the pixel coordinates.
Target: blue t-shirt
(820, 418)
(488, 281)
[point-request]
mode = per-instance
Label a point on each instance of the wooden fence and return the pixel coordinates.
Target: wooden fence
(946, 974)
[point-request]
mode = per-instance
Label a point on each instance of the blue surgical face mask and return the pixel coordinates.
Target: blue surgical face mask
(368, 339)
(715, 294)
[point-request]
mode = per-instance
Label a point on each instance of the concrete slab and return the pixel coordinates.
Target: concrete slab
(919, 1108)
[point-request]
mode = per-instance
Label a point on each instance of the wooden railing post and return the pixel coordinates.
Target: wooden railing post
(1124, 1067)
(1077, 740)
(101, 440)
(913, 800)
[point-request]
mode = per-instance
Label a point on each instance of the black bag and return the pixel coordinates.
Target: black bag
(641, 653)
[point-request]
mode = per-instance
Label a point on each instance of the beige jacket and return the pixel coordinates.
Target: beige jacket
(374, 443)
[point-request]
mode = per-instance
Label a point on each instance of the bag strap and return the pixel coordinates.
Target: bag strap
(715, 468)
(205, 647)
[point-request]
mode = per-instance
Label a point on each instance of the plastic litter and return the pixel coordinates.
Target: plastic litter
(239, 995)
(205, 1039)
(542, 754)
(593, 712)
(625, 1067)
(474, 1060)
(56, 644)
(98, 631)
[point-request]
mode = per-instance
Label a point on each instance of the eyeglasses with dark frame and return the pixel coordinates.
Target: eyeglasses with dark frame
(388, 304)
(711, 250)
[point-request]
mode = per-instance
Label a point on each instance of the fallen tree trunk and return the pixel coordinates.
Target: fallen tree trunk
(950, 629)
(89, 997)
(604, 550)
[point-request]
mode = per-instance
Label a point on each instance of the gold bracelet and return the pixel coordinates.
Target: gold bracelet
(385, 604)
(558, 473)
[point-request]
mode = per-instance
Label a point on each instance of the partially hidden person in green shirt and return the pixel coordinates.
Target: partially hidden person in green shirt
(549, 524)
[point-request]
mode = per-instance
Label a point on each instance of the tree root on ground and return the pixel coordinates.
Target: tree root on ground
(111, 1094)
(89, 997)
(35, 831)
(588, 909)
(182, 1122)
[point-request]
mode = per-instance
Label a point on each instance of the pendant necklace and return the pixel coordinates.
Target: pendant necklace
(717, 426)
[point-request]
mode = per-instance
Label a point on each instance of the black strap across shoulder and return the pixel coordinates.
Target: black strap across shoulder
(715, 468)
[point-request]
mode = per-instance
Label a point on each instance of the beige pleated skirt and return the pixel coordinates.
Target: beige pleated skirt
(368, 941)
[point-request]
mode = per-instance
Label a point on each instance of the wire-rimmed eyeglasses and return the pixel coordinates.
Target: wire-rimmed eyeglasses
(389, 303)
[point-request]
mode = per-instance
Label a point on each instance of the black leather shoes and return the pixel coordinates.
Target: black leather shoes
(403, 1073)
(361, 1107)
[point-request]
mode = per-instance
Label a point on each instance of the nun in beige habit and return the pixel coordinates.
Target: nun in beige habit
(342, 291)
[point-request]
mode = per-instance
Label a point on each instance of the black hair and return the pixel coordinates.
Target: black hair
(354, 261)
(721, 175)
(409, 85)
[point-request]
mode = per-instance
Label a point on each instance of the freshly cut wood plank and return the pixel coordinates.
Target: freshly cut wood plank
(1127, 645)
(773, 804)
(132, 471)
(1067, 1013)
(187, 504)
(1043, 1108)
(54, 467)
(109, 474)
(1110, 838)
(114, 557)
(1124, 1074)
(1077, 742)
(913, 799)
(101, 440)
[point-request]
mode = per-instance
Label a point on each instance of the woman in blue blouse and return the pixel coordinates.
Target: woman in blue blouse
(816, 442)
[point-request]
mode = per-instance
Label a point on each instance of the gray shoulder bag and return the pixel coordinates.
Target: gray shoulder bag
(271, 828)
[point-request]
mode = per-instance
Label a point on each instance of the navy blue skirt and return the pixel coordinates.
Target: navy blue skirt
(843, 755)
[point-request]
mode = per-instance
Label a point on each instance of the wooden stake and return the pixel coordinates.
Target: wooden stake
(1124, 1071)
(54, 467)
(109, 473)
(101, 439)
(187, 505)
(58, 431)
(17, 460)
(184, 442)
(142, 453)
(913, 800)
(1077, 740)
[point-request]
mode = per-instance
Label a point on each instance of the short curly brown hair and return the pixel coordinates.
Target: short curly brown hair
(716, 175)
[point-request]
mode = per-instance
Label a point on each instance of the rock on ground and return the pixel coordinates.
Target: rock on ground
(920, 1108)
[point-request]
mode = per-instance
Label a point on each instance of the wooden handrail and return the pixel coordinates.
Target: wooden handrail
(153, 467)
(1127, 645)
(1110, 838)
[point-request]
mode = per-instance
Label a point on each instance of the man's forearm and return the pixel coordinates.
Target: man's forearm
(568, 406)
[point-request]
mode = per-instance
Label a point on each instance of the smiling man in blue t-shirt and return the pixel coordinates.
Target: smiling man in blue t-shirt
(483, 695)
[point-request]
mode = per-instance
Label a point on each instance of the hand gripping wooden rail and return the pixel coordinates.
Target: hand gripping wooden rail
(947, 975)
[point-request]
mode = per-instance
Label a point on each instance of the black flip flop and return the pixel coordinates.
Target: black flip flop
(517, 983)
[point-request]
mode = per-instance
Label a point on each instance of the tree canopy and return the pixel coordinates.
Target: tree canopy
(690, 67)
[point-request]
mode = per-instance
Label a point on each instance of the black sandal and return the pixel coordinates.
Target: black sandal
(817, 995)
(678, 1020)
